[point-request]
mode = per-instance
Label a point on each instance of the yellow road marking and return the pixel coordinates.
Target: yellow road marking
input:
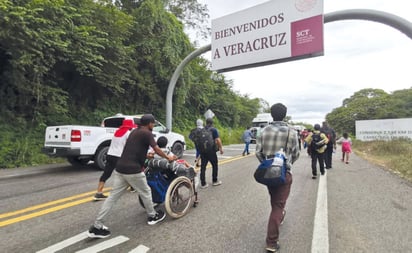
(232, 159)
(46, 211)
(4, 215)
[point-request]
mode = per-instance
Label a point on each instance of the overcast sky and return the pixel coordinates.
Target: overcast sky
(358, 54)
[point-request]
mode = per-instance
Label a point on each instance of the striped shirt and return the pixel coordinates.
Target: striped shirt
(274, 137)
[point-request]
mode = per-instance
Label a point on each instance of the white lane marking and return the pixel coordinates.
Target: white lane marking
(320, 239)
(65, 243)
(188, 154)
(140, 249)
(235, 149)
(104, 245)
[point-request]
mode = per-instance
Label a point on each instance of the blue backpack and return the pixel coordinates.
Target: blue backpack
(272, 172)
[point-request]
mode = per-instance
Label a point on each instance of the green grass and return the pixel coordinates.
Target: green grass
(392, 155)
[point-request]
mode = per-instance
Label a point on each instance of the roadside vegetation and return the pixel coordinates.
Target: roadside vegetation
(394, 155)
(77, 62)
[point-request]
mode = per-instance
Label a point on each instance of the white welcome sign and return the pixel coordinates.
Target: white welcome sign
(275, 31)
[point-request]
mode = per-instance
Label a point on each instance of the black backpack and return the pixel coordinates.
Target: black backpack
(203, 140)
(315, 142)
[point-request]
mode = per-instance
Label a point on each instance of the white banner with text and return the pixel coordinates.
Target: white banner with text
(383, 129)
(275, 31)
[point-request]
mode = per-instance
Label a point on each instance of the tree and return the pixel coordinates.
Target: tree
(191, 13)
(400, 105)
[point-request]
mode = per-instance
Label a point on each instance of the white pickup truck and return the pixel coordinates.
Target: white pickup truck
(82, 144)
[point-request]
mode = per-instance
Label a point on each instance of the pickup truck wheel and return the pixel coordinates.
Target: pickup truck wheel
(100, 157)
(75, 161)
(178, 149)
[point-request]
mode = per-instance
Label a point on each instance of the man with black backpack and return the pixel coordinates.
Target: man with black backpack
(317, 142)
(207, 142)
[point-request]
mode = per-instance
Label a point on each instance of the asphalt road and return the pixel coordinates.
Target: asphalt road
(365, 208)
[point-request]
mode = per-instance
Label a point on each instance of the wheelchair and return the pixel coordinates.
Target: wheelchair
(172, 184)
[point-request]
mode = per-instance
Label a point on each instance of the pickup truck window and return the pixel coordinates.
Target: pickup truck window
(116, 122)
(113, 122)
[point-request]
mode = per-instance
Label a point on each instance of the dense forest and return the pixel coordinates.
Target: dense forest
(78, 61)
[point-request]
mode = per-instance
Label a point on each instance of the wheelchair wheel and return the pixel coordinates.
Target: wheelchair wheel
(179, 197)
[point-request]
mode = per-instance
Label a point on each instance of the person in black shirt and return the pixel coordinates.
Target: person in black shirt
(211, 156)
(331, 135)
(130, 171)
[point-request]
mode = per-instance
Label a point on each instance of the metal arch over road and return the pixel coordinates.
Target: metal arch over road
(394, 21)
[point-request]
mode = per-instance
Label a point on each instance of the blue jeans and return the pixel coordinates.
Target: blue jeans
(246, 150)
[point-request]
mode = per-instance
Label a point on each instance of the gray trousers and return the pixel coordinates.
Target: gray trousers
(121, 183)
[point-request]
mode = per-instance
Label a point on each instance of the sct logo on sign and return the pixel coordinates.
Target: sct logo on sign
(302, 33)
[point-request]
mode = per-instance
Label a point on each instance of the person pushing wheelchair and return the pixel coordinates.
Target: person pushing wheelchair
(130, 171)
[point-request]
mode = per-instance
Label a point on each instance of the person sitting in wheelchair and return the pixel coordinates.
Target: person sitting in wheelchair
(180, 167)
(169, 170)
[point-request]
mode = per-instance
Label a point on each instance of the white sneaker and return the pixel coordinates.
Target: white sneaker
(160, 215)
(204, 186)
(217, 183)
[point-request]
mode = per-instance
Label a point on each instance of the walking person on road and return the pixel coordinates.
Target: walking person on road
(300, 143)
(247, 137)
(275, 136)
(211, 156)
(130, 171)
(113, 154)
(331, 146)
(346, 142)
(317, 143)
(303, 136)
(199, 125)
